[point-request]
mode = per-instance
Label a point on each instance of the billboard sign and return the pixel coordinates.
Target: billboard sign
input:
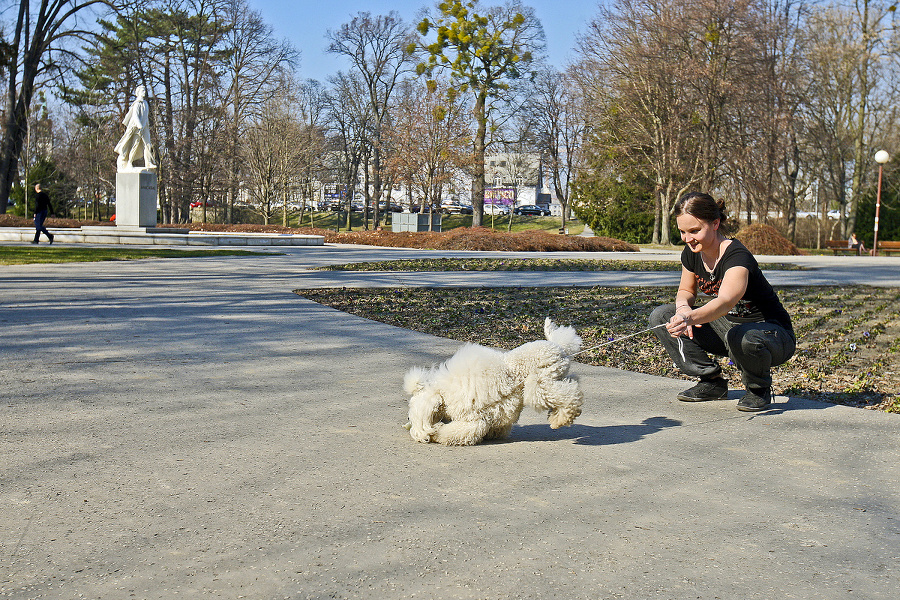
(334, 191)
(501, 196)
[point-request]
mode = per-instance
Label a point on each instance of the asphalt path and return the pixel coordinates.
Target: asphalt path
(192, 428)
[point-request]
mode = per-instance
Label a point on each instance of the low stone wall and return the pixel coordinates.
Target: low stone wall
(148, 237)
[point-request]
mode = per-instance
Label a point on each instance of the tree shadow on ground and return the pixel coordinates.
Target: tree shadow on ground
(589, 435)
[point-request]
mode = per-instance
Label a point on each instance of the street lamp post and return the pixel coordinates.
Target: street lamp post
(881, 157)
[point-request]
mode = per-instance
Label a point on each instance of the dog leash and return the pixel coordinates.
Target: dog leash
(630, 335)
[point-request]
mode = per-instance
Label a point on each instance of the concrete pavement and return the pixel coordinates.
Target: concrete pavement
(192, 428)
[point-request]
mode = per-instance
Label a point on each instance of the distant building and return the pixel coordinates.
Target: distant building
(516, 170)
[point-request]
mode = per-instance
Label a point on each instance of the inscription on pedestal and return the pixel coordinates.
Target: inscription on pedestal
(136, 198)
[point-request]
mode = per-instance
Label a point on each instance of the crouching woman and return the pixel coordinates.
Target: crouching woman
(744, 320)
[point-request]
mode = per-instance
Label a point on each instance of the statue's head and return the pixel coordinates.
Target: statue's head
(140, 91)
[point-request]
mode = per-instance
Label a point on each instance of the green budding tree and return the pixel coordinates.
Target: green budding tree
(483, 53)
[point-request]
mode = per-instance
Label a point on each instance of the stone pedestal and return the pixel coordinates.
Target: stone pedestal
(136, 199)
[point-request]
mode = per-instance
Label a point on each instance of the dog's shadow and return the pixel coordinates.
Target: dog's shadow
(589, 435)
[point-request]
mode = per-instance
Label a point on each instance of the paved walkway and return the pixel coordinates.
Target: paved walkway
(191, 428)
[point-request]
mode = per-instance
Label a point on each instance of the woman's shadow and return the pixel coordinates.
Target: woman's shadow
(589, 435)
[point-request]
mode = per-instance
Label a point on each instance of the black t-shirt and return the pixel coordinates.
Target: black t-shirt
(759, 303)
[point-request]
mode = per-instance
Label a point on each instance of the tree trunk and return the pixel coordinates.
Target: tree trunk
(17, 105)
(478, 167)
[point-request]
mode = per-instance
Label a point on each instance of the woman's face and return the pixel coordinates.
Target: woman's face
(699, 235)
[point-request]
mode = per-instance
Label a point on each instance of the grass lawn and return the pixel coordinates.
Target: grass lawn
(23, 255)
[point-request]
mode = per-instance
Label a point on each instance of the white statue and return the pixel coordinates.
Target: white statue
(136, 141)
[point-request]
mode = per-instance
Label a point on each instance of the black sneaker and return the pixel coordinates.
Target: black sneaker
(755, 400)
(715, 389)
(51, 240)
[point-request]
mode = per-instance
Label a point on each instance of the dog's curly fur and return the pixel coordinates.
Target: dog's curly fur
(479, 392)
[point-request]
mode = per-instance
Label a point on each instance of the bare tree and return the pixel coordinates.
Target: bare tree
(851, 96)
(350, 120)
(273, 159)
(431, 140)
(559, 111)
(253, 69)
(376, 47)
(312, 109)
(41, 31)
(762, 146)
(664, 79)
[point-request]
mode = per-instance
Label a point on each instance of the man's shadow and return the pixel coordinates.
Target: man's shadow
(589, 435)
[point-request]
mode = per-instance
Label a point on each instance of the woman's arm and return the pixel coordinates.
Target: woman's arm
(734, 285)
(687, 292)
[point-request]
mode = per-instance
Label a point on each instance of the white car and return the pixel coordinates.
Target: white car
(496, 209)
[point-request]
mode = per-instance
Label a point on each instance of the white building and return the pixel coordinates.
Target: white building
(504, 172)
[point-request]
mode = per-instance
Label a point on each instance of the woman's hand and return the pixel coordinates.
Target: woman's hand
(681, 323)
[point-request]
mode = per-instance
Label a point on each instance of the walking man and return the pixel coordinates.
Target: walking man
(42, 208)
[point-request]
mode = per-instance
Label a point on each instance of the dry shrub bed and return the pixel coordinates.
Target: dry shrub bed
(766, 240)
(760, 239)
(14, 221)
(460, 238)
(521, 264)
(848, 348)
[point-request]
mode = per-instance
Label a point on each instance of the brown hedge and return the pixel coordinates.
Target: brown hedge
(766, 240)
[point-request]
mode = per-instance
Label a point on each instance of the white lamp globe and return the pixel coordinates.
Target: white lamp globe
(882, 157)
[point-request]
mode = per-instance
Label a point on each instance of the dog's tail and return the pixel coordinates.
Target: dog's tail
(564, 337)
(413, 380)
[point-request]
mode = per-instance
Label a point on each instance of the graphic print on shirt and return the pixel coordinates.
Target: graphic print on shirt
(742, 309)
(710, 288)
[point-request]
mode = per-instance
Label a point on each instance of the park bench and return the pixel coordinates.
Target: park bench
(841, 246)
(888, 247)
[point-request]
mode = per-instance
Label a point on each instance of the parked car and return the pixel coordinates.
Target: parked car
(496, 209)
(466, 209)
(532, 209)
(451, 207)
(393, 207)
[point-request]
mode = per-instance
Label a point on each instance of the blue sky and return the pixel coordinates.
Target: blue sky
(305, 22)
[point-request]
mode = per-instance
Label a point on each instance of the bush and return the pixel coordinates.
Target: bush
(615, 204)
(765, 239)
(461, 238)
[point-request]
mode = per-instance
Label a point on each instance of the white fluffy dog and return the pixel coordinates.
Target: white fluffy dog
(479, 392)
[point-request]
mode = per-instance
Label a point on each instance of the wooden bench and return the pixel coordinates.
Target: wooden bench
(841, 246)
(888, 247)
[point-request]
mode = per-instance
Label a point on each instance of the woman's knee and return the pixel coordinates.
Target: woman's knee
(769, 344)
(662, 314)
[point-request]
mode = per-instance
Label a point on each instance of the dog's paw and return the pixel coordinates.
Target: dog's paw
(424, 435)
(420, 436)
